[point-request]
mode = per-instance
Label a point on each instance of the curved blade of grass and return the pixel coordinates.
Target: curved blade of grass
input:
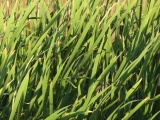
(154, 116)
(129, 93)
(58, 113)
(21, 94)
(130, 113)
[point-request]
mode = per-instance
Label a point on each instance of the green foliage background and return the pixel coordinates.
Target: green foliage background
(79, 61)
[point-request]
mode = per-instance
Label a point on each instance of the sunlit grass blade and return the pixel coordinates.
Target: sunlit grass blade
(130, 113)
(20, 98)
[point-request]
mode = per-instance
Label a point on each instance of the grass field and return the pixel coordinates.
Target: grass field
(79, 59)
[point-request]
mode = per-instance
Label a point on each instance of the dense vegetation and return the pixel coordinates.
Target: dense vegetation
(85, 59)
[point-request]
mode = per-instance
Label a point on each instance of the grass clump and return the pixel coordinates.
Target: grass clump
(80, 60)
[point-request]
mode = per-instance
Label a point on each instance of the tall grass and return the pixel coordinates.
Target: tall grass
(80, 60)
